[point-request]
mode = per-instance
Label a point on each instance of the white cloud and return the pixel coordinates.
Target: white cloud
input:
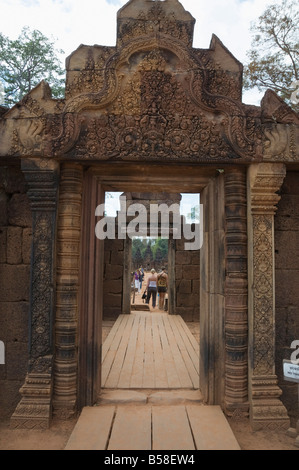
(74, 22)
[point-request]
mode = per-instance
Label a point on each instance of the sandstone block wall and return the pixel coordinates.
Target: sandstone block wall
(187, 282)
(15, 246)
(113, 278)
(287, 282)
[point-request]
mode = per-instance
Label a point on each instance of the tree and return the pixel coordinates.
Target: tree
(26, 61)
(273, 58)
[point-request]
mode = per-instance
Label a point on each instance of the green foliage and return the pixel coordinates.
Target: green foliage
(160, 248)
(157, 248)
(273, 58)
(26, 61)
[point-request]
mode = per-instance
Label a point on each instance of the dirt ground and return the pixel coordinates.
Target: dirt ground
(57, 436)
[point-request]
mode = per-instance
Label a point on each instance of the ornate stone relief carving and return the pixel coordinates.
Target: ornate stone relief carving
(267, 411)
(150, 107)
(66, 321)
(236, 292)
(281, 142)
(34, 409)
(156, 19)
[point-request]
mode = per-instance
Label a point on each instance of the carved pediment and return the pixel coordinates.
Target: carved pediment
(151, 97)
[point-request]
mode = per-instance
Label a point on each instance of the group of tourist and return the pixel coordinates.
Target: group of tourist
(138, 278)
(157, 283)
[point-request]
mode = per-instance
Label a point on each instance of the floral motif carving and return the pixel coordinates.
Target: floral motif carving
(267, 410)
(263, 299)
(155, 21)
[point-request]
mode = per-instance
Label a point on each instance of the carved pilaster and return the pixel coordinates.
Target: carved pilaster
(236, 313)
(266, 409)
(66, 321)
(34, 409)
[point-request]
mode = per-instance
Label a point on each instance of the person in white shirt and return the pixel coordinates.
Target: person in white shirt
(151, 288)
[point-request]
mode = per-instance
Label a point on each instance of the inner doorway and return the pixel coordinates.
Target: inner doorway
(149, 348)
(101, 178)
(149, 258)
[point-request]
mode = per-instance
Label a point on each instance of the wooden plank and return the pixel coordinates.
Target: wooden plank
(210, 428)
(172, 376)
(92, 429)
(113, 347)
(148, 370)
(188, 340)
(180, 365)
(113, 377)
(131, 429)
(108, 341)
(160, 370)
(137, 370)
(193, 342)
(171, 430)
(126, 372)
(188, 355)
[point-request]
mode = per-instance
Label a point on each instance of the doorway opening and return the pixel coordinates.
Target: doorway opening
(144, 333)
(149, 259)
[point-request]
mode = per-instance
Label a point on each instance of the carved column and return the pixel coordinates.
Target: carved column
(236, 314)
(34, 409)
(68, 260)
(266, 409)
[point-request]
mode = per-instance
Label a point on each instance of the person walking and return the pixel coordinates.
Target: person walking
(137, 280)
(162, 285)
(151, 288)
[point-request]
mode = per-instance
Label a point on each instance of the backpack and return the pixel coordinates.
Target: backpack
(162, 281)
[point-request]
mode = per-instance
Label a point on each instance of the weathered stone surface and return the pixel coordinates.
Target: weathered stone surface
(16, 360)
(183, 257)
(117, 257)
(9, 396)
(195, 286)
(188, 313)
(122, 397)
(3, 208)
(113, 286)
(288, 283)
(14, 321)
(26, 245)
(113, 300)
(114, 245)
(12, 180)
(15, 281)
(113, 272)
(185, 286)
(19, 212)
(175, 397)
(178, 272)
(191, 272)
(3, 244)
(14, 245)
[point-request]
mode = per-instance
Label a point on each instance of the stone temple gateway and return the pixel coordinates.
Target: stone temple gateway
(152, 112)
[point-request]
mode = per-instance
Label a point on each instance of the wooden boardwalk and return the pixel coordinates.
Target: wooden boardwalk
(157, 353)
(150, 351)
(146, 427)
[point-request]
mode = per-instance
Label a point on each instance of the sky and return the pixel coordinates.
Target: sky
(75, 22)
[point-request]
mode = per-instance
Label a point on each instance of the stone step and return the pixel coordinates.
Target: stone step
(160, 397)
